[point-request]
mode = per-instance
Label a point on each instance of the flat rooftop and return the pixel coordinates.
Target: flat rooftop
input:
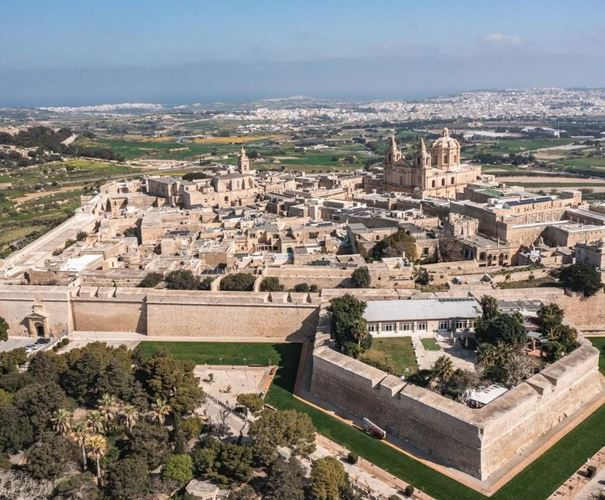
(421, 309)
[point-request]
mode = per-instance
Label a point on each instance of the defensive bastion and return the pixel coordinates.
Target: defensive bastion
(479, 442)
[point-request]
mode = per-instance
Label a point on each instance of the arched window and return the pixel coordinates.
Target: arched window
(443, 182)
(444, 158)
(452, 181)
(433, 183)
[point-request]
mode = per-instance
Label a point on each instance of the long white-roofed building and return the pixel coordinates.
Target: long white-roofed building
(421, 317)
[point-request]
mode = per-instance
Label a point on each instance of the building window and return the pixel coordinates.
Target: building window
(372, 328)
(443, 325)
(433, 183)
(444, 158)
(460, 323)
(452, 181)
(443, 182)
(405, 327)
(388, 327)
(421, 326)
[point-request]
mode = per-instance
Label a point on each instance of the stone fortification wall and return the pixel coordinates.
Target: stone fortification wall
(17, 302)
(476, 441)
(281, 315)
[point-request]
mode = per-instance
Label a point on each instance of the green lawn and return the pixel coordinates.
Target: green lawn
(537, 481)
(430, 344)
(398, 352)
(599, 342)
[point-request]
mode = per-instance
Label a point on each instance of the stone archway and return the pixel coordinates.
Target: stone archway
(37, 322)
(40, 332)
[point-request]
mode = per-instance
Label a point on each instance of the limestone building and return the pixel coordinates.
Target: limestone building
(221, 190)
(439, 173)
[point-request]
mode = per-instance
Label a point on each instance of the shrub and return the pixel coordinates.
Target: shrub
(301, 287)
(271, 284)
(182, 279)
(591, 470)
(241, 282)
(409, 490)
(352, 458)
(151, 280)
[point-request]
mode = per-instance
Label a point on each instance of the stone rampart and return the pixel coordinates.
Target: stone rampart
(476, 441)
(280, 315)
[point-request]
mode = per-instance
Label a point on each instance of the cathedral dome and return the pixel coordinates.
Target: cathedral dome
(445, 152)
(445, 141)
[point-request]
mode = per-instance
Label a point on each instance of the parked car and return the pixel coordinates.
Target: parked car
(43, 340)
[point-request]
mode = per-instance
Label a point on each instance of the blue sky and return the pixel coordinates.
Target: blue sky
(172, 51)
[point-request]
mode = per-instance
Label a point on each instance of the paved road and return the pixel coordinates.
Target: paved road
(15, 343)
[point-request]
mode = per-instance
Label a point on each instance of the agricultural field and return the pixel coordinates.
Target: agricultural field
(43, 196)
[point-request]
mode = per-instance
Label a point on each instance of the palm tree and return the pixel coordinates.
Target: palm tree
(97, 447)
(130, 415)
(62, 421)
(108, 406)
(443, 369)
(160, 410)
(96, 422)
(80, 435)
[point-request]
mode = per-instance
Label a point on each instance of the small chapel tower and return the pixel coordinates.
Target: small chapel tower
(423, 158)
(393, 154)
(243, 162)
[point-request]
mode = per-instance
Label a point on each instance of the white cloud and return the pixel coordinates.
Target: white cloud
(503, 40)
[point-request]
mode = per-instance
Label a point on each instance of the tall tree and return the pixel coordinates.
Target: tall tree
(172, 380)
(329, 479)
(550, 316)
(443, 370)
(581, 277)
(80, 434)
(62, 421)
(361, 277)
(282, 428)
(130, 414)
(97, 447)
(286, 480)
(128, 479)
(348, 323)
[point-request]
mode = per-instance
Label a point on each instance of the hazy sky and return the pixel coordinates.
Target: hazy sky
(175, 51)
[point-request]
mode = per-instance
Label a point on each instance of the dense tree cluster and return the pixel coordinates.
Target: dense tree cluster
(48, 145)
(394, 246)
(127, 422)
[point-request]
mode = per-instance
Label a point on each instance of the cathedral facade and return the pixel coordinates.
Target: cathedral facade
(438, 173)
